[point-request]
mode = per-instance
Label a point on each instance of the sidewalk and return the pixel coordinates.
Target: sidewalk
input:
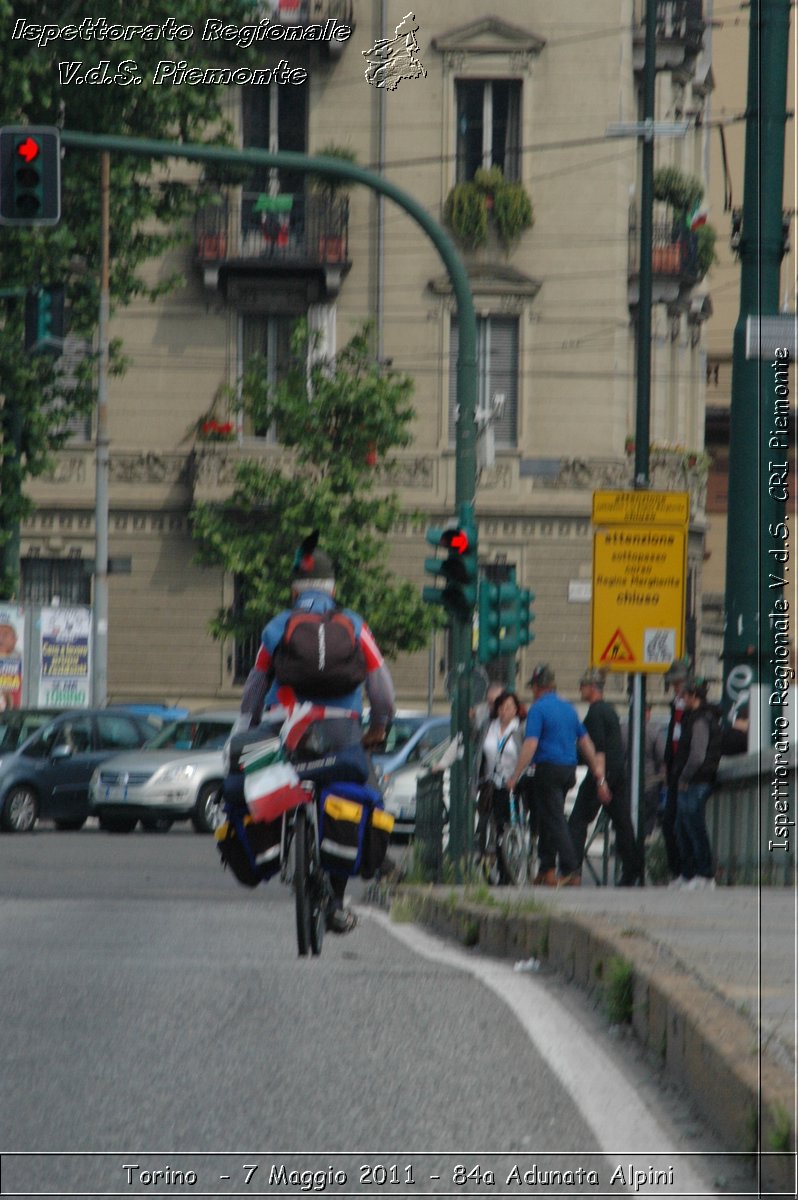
(714, 979)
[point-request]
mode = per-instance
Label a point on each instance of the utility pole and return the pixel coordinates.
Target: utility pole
(756, 507)
(99, 689)
(637, 708)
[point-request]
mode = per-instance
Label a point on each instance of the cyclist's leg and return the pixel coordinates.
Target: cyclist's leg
(340, 919)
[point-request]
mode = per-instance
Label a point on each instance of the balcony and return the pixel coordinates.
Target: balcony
(300, 239)
(680, 34)
(674, 262)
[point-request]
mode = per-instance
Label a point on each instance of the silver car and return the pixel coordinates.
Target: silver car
(176, 777)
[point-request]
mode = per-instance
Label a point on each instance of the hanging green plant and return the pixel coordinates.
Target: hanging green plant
(706, 236)
(682, 192)
(466, 213)
(487, 199)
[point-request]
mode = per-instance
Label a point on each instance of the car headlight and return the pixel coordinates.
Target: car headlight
(172, 774)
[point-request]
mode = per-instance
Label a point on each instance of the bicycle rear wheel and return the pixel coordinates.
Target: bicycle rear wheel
(309, 890)
(514, 853)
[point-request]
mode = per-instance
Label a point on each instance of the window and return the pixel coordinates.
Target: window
(274, 121)
(118, 733)
(44, 579)
(488, 127)
(269, 336)
(497, 375)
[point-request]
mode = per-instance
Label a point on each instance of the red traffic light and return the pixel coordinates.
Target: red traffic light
(456, 539)
(28, 150)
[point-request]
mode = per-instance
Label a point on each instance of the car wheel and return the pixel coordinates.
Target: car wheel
(207, 814)
(73, 823)
(117, 824)
(157, 824)
(20, 810)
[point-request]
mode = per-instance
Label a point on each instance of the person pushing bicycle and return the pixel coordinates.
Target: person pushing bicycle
(345, 655)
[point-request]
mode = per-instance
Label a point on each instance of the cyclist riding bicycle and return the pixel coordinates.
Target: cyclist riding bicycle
(313, 591)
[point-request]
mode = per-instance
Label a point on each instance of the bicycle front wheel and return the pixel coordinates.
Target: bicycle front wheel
(514, 855)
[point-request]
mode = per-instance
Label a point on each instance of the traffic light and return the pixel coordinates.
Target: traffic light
(525, 617)
(44, 321)
(458, 570)
(30, 175)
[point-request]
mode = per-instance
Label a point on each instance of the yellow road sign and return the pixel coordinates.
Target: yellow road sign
(637, 619)
(641, 508)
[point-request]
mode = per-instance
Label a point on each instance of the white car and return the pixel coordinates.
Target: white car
(176, 776)
(399, 789)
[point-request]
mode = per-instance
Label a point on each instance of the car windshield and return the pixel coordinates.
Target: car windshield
(192, 735)
(401, 732)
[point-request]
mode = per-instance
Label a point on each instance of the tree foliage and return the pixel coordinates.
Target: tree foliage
(338, 420)
(149, 206)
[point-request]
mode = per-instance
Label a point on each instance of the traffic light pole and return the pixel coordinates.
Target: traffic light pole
(461, 818)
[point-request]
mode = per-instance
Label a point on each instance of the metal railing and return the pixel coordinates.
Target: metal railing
(299, 227)
(740, 819)
(674, 251)
(677, 21)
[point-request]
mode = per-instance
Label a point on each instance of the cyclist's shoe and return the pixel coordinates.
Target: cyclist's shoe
(572, 880)
(341, 920)
(545, 879)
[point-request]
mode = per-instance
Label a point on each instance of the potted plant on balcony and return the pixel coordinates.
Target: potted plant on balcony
(488, 201)
(332, 244)
(683, 194)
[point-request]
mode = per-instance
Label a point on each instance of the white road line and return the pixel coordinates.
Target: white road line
(624, 1126)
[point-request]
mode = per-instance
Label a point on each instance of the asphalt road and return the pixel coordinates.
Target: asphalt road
(156, 1016)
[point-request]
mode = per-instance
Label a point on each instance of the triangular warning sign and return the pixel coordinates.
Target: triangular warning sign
(618, 650)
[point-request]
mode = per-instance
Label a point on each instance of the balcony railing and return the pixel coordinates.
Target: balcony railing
(302, 229)
(680, 29)
(674, 252)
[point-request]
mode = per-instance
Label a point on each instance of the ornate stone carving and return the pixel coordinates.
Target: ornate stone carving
(409, 472)
(589, 474)
(67, 468)
(148, 467)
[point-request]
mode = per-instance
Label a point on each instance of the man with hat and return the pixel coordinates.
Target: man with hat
(675, 677)
(601, 722)
(313, 591)
(553, 733)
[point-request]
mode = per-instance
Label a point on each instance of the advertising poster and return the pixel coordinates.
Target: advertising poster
(65, 658)
(11, 656)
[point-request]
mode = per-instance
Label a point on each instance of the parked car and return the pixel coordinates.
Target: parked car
(410, 738)
(399, 790)
(414, 742)
(17, 725)
(48, 775)
(176, 777)
(158, 714)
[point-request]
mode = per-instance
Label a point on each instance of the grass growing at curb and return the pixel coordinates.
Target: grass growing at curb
(779, 1137)
(620, 991)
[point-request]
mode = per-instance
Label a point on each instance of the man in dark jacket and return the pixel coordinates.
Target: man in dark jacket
(695, 768)
(601, 722)
(675, 677)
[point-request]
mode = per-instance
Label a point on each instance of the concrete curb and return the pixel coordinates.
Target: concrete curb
(697, 1040)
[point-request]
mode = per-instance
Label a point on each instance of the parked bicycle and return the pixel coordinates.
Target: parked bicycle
(507, 839)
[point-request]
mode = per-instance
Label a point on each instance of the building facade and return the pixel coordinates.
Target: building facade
(524, 86)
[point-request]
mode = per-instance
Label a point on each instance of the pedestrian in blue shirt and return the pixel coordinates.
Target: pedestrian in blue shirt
(554, 735)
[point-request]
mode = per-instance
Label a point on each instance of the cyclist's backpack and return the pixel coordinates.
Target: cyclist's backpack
(320, 654)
